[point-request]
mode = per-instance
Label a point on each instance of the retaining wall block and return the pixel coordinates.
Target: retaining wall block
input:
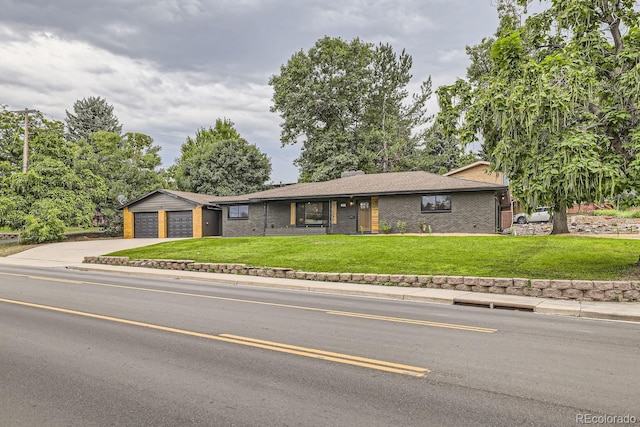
(370, 278)
(532, 292)
(311, 276)
(396, 278)
(622, 286)
(485, 281)
(345, 277)
(423, 280)
(551, 293)
(301, 275)
(291, 274)
(455, 280)
(594, 295)
(576, 294)
(503, 282)
(446, 286)
(631, 295)
(540, 284)
(513, 291)
(471, 281)
(613, 295)
(321, 276)
(583, 285)
(439, 280)
(333, 277)
(521, 283)
(462, 288)
(357, 278)
(603, 286)
(410, 278)
(561, 284)
(479, 288)
(383, 278)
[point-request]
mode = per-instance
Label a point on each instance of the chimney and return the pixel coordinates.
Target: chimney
(346, 174)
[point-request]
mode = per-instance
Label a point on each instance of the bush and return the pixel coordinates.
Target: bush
(385, 227)
(402, 226)
(46, 229)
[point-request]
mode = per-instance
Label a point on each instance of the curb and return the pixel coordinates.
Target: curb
(629, 312)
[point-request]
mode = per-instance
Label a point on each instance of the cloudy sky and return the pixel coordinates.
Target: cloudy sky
(170, 67)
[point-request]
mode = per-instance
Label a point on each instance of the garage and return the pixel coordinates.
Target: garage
(180, 224)
(170, 213)
(145, 225)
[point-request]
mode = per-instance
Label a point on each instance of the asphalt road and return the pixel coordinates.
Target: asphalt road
(83, 349)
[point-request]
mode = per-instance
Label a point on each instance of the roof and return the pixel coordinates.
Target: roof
(195, 198)
(464, 168)
(367, 185)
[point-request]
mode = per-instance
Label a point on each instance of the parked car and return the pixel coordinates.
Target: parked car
(540, 214)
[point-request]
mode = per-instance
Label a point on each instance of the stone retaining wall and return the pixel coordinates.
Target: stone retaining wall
(9, 236)
(581, 290)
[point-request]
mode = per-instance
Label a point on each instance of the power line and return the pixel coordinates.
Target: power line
(25, 148)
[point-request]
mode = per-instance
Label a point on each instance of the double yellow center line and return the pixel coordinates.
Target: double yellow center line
(346, 359)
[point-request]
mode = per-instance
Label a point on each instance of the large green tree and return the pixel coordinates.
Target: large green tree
(555, 100)
(91, 115)
(348, 103)
(57, 189)
(129, 165)
(218, 161)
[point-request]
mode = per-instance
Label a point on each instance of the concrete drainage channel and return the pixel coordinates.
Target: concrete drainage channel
(493, 305)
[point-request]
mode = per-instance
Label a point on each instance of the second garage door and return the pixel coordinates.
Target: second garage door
(180, 224)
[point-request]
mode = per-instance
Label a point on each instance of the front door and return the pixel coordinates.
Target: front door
(364, 216)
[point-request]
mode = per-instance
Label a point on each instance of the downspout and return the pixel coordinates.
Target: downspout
(266, 219)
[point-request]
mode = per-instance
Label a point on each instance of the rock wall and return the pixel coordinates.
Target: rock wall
(580, 290)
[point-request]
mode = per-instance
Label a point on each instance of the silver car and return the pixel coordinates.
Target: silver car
(540, 214)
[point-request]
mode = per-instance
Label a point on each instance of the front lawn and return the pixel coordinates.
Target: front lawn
(552, 257)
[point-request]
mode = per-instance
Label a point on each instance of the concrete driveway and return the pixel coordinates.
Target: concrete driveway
(63, 254)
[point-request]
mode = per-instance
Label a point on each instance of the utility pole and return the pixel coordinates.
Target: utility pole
(25, 149)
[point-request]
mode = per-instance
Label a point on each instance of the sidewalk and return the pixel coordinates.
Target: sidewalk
(70, 255)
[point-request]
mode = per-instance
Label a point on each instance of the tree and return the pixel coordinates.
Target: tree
(55, 192)
(347, 103)
(219, 162)
(129, 165)
(557, 106)
(91, 115)
(441, 152)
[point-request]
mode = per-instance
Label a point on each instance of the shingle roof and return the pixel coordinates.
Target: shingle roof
(195, 198)
(366, 184)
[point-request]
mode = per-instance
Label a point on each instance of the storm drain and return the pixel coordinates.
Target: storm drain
(494, 305)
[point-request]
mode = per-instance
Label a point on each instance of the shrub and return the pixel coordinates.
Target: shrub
(402, 226)
(49, 228)
(385, 227)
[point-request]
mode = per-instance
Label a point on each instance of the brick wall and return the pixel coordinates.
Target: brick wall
(473, 212)
(253, 226)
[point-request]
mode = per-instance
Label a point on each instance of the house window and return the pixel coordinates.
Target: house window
(312, 213)
(239, 212)
(436, 203)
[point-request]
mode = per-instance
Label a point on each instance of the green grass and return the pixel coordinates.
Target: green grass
(617, 214)
(552, 257)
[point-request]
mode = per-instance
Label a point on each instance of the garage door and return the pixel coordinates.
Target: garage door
(145, 224)
(180, 224)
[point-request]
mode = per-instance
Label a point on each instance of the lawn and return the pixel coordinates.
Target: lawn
(552, 257)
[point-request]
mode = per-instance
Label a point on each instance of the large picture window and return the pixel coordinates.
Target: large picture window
(312, 213)
(436, 203)
(239, 212)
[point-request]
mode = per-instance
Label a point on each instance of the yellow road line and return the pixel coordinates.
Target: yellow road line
(249, 342)
(296, 307)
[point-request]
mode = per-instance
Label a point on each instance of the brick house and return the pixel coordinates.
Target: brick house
(354, 203)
